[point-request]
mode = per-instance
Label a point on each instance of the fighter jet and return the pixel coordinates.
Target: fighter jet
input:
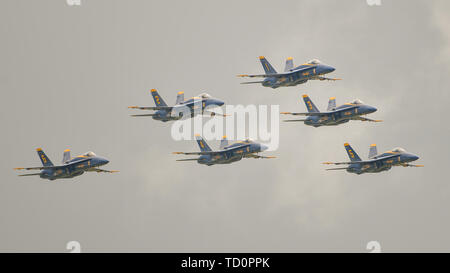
(71, 167)
(166, 113)
(312, 70)
(376, 162)
(227, 153)
(354, 110)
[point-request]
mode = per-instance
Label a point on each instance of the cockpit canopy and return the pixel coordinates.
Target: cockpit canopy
(357, 101)
(89, 154)
(398, 150)
(314, 61)
(205, 96)
(248, 140)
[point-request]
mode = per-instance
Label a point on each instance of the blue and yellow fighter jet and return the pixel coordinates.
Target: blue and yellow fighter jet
(191, 106)
(354, 110)
(292, 76)
(227, 153)
(71, 167)
(376, 162)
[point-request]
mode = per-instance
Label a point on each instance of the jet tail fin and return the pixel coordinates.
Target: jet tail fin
(373, 150)
(267, 66)
(46, 162)
(157, 98)
(331, 104)
(223, 142)
(204, 147)
(351, 153)
(289, 64)
(66, 156)
(180, 97)
(310, 105)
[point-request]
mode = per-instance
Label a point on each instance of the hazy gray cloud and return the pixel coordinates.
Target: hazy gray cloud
(68, 74)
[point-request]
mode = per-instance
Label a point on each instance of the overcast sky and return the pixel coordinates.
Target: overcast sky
(68, 73)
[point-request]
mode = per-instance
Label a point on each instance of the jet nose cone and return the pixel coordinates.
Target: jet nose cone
(331, 69)
(104, 161)
(263, 147)
(220, 103)
(372, 109)
(414, 157)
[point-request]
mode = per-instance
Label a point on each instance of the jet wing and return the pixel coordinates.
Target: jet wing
(144, 115)
(362, 161)
(212, 114)
(38, 168)
(319, 113)
(167, 108)
(306, 114)
(30, 174)
(211, 152)
(101, 170)
(274, 75)
(335, 169)
(294, 120)
(347, 163)
(259, 156)
(320, 78)
(252, 82)
(411, 165)
(367, 119)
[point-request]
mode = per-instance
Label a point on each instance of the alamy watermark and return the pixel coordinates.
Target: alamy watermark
(73, 247)
(374, 247)
(260, 123)
(373, 2)
(73, 2)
